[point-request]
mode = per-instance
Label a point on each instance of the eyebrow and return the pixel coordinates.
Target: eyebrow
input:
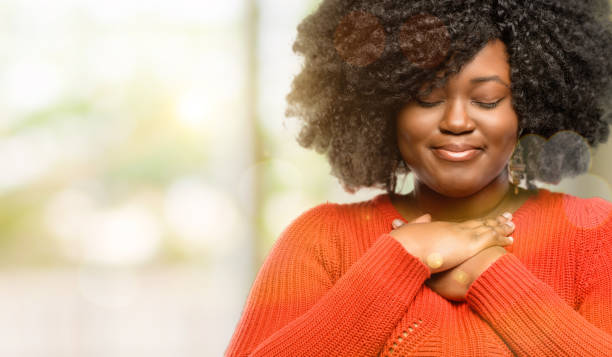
(489, 78)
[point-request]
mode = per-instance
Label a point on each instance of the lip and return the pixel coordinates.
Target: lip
(457, 147)
(455, 155)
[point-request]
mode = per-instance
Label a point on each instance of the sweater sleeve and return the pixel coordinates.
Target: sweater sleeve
(534, 320)
(295, 308)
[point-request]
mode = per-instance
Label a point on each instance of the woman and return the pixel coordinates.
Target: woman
(445, 90)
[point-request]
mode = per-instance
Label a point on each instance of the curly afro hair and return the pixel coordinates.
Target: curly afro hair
(364, 60)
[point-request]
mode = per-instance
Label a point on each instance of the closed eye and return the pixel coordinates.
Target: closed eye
(482, 104)
(489, 105)
(427, 104)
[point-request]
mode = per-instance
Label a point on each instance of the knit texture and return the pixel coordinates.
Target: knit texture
(337, 284)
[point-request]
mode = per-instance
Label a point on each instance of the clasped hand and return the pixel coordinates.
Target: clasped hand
(457, 253)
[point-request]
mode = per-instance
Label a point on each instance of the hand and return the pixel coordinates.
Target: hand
(453, 284)
(444, 245)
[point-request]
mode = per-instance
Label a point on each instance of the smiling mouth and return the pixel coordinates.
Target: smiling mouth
(449, 155)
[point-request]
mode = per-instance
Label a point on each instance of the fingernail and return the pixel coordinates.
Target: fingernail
(511, 239)
(510, 224)
(508, 215)
(397, 222)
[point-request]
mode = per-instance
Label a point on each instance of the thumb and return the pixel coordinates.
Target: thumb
(397, 223)
(426, 218)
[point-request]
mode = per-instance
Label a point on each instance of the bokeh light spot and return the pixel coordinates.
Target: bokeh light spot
(424, 40)
(360, 38)
(564, 154)
(109, 287)
(460, 276)
(204, 217)
(434, 260)
(584, 186)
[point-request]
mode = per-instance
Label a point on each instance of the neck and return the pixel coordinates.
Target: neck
(487, 202)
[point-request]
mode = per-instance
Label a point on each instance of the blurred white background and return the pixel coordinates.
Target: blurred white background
(147, 169)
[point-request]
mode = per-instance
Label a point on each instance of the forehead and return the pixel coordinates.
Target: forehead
(490, 61)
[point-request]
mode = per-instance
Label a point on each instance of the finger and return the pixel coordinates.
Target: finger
(510, 227)
(426, 218)
(501, 224)
(472, 223)
(504, 217)
(492, 238)
(491, 222)
(397, 223)
(488, 232)
(482, 230)
(505, 228)
(475, 223)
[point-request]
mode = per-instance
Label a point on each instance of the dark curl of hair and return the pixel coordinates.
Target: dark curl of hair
(561, 79)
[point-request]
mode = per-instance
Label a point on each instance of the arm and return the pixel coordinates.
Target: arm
(296, 307)
(534, 320)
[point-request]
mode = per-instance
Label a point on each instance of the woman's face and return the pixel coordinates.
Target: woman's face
(458, 139)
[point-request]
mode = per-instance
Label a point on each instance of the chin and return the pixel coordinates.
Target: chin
(456, 189)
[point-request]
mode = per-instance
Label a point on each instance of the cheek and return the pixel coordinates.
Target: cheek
(501, 133)
(410, 139)
(413, 128)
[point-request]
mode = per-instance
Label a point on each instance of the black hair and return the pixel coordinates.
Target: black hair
(365, 60)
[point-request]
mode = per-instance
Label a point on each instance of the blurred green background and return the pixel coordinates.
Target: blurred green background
(147, 168)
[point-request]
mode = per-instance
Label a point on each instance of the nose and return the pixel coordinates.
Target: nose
(456, 119)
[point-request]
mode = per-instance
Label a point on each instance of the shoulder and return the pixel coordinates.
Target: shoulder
(313, 220)
(559, 208)
(338, 217)
(586, 223)
(302, 238)
(335, 222)
(592, 218)
(321, 212)
(355, 206)
(588, 214)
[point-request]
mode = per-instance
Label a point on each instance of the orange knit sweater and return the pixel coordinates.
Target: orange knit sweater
(337, 284)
